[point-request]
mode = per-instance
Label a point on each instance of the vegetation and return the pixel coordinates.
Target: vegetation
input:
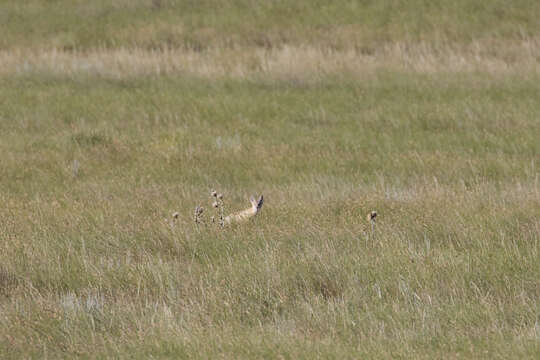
(116, 114)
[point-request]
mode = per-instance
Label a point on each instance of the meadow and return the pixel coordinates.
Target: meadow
(116, 114)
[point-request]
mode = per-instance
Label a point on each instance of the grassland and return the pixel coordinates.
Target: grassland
(115, 114)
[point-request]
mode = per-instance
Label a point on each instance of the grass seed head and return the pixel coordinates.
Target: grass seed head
(198, 213)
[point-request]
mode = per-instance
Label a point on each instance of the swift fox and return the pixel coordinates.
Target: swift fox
(244, 215)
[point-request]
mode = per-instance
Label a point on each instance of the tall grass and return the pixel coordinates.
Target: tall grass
(103, 141)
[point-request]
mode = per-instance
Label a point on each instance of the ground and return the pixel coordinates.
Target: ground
(116, 114)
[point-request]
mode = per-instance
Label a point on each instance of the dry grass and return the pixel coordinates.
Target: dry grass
(93, 165)
(283, 62)
(118, 113)
(450, 270)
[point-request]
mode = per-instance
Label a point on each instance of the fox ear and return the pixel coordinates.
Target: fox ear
(260, 202)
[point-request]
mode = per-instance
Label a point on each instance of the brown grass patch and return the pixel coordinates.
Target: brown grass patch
(282, 62)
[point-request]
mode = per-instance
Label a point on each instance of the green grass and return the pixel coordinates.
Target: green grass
(98, 153)
(203, 24)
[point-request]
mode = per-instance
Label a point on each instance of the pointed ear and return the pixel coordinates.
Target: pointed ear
(260, 202)
(252, 200)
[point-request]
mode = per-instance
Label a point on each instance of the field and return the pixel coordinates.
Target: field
(116, 114)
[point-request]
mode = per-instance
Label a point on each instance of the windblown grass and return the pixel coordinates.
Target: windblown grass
(102, 142)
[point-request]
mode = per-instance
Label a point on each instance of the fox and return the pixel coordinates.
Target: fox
(246, 214)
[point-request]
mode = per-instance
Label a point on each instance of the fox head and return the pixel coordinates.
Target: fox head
(256, 204)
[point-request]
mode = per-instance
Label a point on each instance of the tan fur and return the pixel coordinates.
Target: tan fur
(246, 214)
